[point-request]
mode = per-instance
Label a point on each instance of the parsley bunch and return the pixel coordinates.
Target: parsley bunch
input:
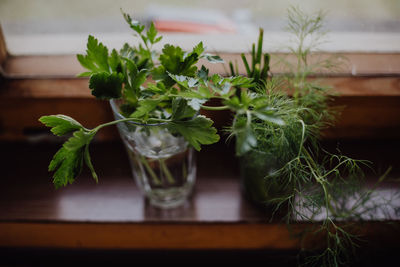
(166, 87)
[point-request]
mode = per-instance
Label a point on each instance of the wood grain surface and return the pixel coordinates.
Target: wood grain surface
(114, 215)
(353, 64)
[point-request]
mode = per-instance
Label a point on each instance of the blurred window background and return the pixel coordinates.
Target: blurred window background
(61, 27)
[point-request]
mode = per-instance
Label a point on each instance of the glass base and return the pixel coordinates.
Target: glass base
(162, 164)
(169, 198)
(167, 204)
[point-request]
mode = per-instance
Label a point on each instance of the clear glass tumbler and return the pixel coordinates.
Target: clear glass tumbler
(163, 164)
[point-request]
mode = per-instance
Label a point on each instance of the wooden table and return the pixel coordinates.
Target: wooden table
(113, 216)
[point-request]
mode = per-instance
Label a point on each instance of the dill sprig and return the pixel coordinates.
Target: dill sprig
(285, 167)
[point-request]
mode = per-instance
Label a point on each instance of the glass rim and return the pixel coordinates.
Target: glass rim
(114, 108)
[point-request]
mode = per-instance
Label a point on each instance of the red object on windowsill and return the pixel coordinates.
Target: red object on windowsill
(192, 27)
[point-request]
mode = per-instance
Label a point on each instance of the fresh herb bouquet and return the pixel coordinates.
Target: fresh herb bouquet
(156, 99)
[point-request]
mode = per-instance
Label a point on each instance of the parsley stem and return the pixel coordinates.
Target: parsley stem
(123, 120)
(214, 108)
(153, 175)
(167, 173)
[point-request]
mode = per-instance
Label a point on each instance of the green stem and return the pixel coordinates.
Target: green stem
(312, 165)
(303, 131)
(150, 170)
(232, 69)
(246, 65)
(124, 120)
(167, 173)
(214, 108)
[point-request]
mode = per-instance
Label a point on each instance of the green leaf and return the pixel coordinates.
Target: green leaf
(130, 96)
(184, 81)
(158, 39)
(85, 74)
(197, 131)
(145, 107)
(60, 124)
(205, 91)
(242, 81)
(181, 109)
(159, 74)
(114, 61)
(187, 68)
(233, 103)
(154, 89)
(68, 161)
(214, 58)
(198, 49)
(78, 140)
(174, 61)
(69, 167)
(217, 79)
(105, 85)
(138, 79)
(96, 58)
(171, 58)
(195, 98)
(203, 73)
(152, 33)
(131, 66)
(135, 25)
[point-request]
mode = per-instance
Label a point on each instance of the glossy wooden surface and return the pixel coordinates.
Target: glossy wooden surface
(355, 64)
(113, 214)
(115, 198)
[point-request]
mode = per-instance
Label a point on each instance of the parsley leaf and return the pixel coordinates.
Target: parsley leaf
(214, 58)
(96, 59)
(171, 58)
(60, 124)
(198, 49)
(152, 33)
(174, 61)
(135, 25)
(181, 109)
(184, 81)
(203, 73)
(145, 107)
(114, 61)
(138, 79)
(68, 161)
(140, 56)
(197, 131)
(105, 85)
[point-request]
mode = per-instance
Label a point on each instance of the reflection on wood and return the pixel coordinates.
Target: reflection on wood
(113, 215)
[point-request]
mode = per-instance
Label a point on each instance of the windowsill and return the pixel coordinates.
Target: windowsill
(113, 214)
(342, 42)
(67, 66)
